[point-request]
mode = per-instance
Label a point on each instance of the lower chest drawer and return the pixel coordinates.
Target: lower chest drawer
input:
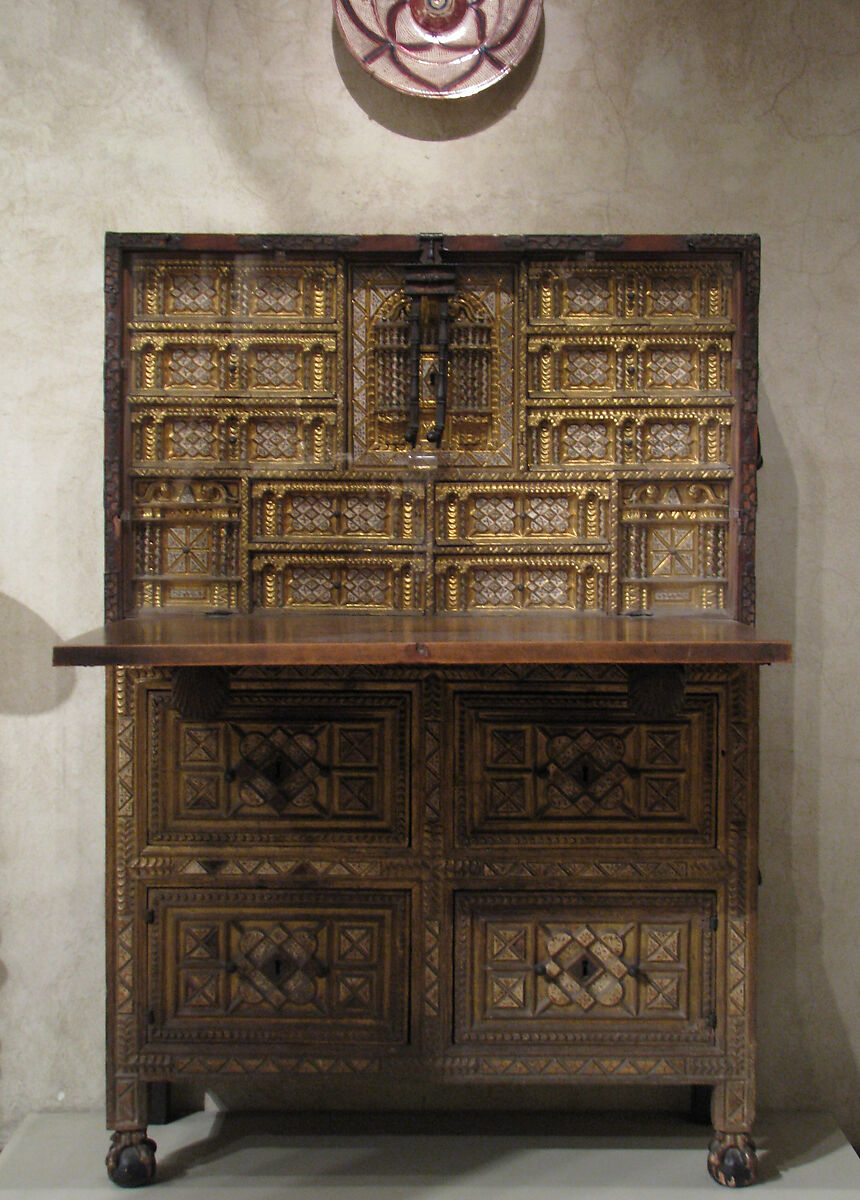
(278, 966)
(577, 967)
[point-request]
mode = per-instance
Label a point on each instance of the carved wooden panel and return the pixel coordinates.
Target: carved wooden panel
(283, 766)
(555, 767)
(584, 966)
(278, 966)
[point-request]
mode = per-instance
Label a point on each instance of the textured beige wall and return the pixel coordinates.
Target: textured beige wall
(629, 116)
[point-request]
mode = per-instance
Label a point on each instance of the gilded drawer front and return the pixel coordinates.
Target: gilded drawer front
(568, 967)
(282, 966)
(283, 765)
(531, 766)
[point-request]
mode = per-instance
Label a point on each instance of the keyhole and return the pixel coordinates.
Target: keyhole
(585, 774)
(584, 970)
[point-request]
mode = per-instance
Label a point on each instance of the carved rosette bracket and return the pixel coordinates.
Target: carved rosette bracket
(131, 1159)
(656, 693)
(732, 1159)
(200, 693)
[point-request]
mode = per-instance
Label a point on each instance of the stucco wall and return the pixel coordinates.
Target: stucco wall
(629, 116)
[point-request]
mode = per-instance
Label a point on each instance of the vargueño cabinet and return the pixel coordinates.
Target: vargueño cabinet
(432, 678)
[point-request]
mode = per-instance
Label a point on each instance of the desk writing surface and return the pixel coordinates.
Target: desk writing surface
(341, 638)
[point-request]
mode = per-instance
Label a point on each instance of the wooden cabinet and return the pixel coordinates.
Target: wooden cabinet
(432, 740)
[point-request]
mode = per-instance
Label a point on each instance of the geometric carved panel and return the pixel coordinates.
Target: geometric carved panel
(532, 766)
(321, 511)
(281, 966)
(285, 767)
(573, 966)
(369, 582)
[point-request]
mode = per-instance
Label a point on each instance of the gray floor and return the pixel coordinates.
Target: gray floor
(262, 1157)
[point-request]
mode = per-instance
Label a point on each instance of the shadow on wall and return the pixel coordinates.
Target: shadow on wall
(28, 682)
(819, 1063)
(431, 120)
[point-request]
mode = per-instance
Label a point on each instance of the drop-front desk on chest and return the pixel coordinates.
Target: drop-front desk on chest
(432, 700)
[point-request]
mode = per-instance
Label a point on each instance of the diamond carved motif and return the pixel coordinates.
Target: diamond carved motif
(586, 440)
(507, 747)
(589, 368)
(200, 793)
(493, 514)
(494, 589)
(671, 295)
(275, 294)
(365, 514)
(670, 439)
(508, 944)
(312, 513)
(508, 991)
(585, 969)
(200, 744)
(549, 514)
(276, 439)
(587, 773)
(672, 368)
(548, 588)
(663, 945)
(193, 293)
(191, 367)
(507, 798)
(587, 294)
(193, 439)
(277, 368)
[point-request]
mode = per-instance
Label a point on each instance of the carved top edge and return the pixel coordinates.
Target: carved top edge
(748, 244)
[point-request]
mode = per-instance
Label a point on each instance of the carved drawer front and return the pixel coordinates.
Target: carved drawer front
(283, 766)
(278, 966)
(570, 967)
(532, 767)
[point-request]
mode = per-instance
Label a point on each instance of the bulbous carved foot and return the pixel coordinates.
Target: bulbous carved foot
(131, 1159)
(732, 1159)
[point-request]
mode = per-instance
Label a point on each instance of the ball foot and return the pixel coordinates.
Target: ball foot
(732, 1159)
(131, 1159)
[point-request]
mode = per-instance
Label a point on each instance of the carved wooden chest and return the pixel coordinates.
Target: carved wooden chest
(432, 732)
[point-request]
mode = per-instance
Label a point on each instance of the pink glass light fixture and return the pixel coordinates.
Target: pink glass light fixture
(438, 48)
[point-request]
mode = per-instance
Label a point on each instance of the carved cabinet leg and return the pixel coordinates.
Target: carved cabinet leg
(732, 1159)
(131, 1159)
